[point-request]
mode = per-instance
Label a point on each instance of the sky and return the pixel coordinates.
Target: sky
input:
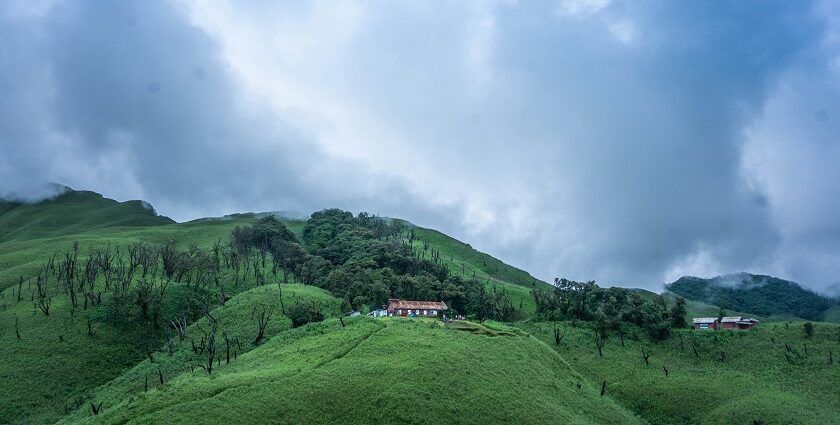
(626, 142)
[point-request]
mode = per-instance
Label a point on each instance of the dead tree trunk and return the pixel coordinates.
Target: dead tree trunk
(557, 336)
(600, 341)
(95, 409)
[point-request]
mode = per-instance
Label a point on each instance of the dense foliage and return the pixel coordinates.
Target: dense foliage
(761, 295)
(607, 308)
(366, 260)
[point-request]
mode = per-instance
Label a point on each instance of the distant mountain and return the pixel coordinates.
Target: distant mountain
(761, 295)
(70, 211)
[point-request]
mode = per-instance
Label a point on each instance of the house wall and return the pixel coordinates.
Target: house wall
(712, 326)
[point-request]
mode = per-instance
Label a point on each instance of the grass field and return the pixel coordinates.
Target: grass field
(56, 365)
(463, 260)
(371, 371)
(379, 371)
(754, 382)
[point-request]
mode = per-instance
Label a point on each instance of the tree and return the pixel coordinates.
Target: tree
(678, 314)
(303, 313)
(263, 315)
(808, 327)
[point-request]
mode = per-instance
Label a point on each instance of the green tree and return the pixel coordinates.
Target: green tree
(678, 314)
(808, 327)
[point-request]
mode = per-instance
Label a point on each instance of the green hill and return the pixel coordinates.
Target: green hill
(760, 295)
(126, 316)
(713, 377)
(378, 371)
(55, 365)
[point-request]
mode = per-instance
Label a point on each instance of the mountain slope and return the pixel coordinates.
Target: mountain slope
(380, 371)
(774, 374)
(72, 211)
(55, 365)
(761, 295)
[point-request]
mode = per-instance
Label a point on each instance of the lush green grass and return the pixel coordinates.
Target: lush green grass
(463, 260)
(56, 363)
(235, 319)
(379, 371)
(754, 382)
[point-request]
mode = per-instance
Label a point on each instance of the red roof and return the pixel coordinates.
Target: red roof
(416, 305)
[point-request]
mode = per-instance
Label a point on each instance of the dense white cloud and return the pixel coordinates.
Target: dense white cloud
(618, 141)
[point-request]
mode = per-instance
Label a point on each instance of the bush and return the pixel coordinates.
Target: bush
(303, 313)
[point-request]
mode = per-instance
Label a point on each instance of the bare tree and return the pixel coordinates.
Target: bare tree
(96, 409)
(263, 316)
(557, 336)
(646, 355)
(180, 325)
(600, 341)
(44, 299)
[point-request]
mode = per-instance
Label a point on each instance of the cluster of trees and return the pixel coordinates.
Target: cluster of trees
(365, 260)
(762, 295)
(608, 309)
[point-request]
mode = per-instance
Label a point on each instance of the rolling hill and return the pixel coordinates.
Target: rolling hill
(55, 364)
(232, 340)
(757, 294)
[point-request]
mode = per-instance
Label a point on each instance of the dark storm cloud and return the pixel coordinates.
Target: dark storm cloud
(625, 142)
(129, 99)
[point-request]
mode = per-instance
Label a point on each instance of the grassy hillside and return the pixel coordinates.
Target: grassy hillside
(463, 260)
(378, 371)
(754, 382)
(761, 295)
(72, 211)
(55, 365)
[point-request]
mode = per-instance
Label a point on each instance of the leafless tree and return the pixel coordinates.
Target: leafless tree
(68, 272)
(558, 337)
(263, 316)
(20, 287)
(646, 356)
(44, 299)
(96, 409)
(600, 341)
(180, 326)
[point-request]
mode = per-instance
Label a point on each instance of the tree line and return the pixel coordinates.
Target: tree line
(608, 309)
(365, 260)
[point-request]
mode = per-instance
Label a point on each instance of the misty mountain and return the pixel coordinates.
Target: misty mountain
(758, 294)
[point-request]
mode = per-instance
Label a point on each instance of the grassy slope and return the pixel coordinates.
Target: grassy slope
(465, 261)
(755, 382)
(380, 371)
(233, 319)
(48, 375)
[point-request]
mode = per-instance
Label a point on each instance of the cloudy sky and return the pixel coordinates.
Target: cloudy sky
(627, 142)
